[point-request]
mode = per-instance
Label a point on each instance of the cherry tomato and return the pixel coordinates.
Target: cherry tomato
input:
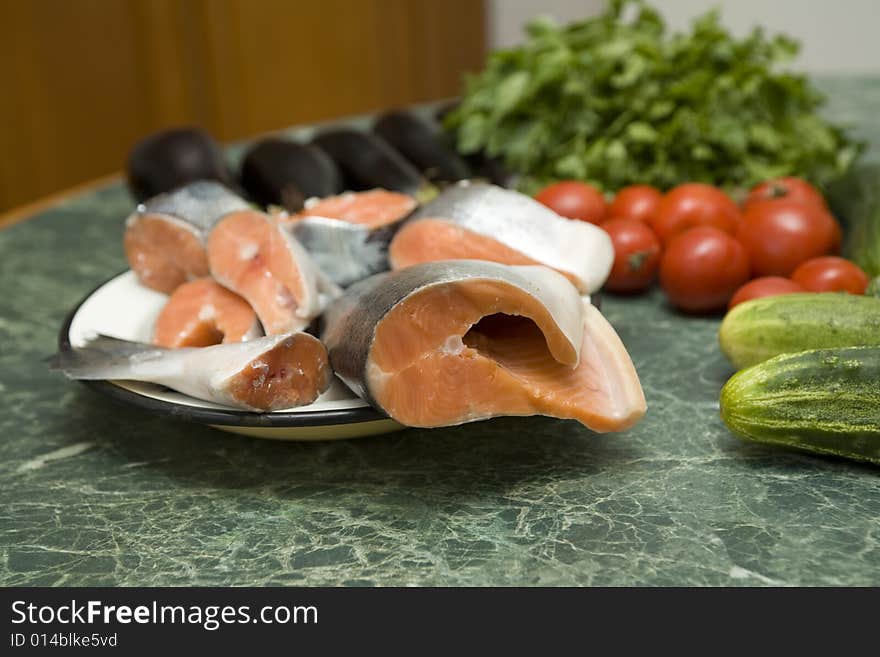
(795, 189)
(694, 204)
(831, 274)
(635, 202)
(767, 286)
(636, 255)
(702, 268)
(782, 233)
(575, 200)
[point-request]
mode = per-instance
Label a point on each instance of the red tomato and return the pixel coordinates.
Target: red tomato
(768, 286)
(575, 200)
(782, 233)
(636, 255)
(694, 204)
(702, 268)
(635, 202)
(795, 189)
(831, 274)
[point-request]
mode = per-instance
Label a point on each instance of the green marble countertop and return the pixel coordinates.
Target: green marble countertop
(92, 493)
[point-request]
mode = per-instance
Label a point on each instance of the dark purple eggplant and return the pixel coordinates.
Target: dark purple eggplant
(491, 169)
(367, 161)
(286, 173)
(166, 160)
(423, 144)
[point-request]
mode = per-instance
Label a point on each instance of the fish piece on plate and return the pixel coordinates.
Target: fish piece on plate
(257, 257)
(472, 220)
(165, 236)
(348, 235)
(201, 313)
(445, 343)
(263, 374)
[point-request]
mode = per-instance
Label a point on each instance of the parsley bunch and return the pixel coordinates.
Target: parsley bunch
(616, 102)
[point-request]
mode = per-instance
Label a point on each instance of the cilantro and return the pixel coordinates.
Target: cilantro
(615, 102)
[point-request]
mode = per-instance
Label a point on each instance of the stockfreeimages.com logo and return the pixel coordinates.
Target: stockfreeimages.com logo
(210, 617)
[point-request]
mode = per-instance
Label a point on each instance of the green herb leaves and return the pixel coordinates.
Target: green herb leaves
(617, 102)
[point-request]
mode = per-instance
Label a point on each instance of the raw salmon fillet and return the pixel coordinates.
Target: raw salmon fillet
(258, 258)
(446, 343)
(203, 312)
(373, 208)
(165, 236)
(472, 220)
(264, 374)
(348, 235)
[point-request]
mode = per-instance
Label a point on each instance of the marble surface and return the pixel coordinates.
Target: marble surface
(96, 494)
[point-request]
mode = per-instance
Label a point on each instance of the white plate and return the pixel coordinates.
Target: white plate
(123, 308)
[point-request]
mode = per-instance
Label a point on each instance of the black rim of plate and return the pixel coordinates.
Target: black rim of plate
(210, 415)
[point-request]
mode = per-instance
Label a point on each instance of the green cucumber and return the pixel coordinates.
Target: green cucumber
(762, 328)
(855, 201)
(824, 400)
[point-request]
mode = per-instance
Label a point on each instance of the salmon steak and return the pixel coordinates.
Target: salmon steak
(348, 235)
(258, 258)
(201, 313)
(472, 220)
(165, 236)
(264, 374)
(444, 343)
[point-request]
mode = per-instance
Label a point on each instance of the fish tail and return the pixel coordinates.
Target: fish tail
(103, 357)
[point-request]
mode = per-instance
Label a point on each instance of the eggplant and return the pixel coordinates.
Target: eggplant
(423, 144)
(367, 162)
(166, 160)
(283, 172)
(491, 169)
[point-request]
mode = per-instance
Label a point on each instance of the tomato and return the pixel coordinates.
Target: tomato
(702, 268)
(795, 189)
(636, 255)
(768, 286)
(635, 202)
(575, 200)
(694, 204)
(831, 274)
(782, 233)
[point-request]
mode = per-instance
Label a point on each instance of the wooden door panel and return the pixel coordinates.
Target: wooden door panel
(89, 77)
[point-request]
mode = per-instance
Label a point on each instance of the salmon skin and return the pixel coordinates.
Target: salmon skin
(258, 258)
(285, 173)
(264, 374)
(348, 235)
(422, 144)
(201, 313)
(165, 236)
(483, 221)
(367, 161)
(445, 343)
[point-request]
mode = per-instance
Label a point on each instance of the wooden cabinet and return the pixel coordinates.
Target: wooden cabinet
(85, 78)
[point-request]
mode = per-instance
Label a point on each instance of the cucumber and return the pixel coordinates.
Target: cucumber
(823, 400)
(855, 201)
(762, 328)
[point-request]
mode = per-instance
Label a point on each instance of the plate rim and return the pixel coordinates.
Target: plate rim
(212, 415)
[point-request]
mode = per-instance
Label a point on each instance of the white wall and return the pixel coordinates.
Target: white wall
(837, 36)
